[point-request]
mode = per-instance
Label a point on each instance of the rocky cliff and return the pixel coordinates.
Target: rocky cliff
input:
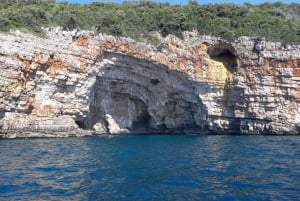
(79, 83)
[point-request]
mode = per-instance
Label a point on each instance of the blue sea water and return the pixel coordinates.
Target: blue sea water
(151, 167)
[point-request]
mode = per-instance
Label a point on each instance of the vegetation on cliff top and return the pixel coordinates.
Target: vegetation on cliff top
(276, 22)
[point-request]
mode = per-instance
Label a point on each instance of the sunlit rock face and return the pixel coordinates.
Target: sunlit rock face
(78, 83)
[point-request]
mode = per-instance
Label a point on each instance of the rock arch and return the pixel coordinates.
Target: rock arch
(133, 95)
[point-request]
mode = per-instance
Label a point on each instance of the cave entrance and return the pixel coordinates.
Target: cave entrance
(224, 53)
(117, 113)
(140, 116)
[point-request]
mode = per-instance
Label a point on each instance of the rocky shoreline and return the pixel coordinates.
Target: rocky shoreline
(14, 134)
(77, 83)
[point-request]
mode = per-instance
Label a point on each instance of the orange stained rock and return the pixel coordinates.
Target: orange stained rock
(39, 61)
(83, 68)
(199, 50)
(173, 42)
(81, 41)
(42, 110)
(198, 71)
(41, 58)
(295, 93)
(175, 58)
(30, 103)
(13, 88)
(296, 72)
(26, 66)
(271, 65)
(270, 71)
(56, 67)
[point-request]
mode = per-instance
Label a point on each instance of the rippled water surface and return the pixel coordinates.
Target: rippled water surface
(151, 168)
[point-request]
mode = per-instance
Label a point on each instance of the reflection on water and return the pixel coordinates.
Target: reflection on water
(151, 168)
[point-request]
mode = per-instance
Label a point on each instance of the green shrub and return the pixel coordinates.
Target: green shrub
(4, 24)
(278, 21)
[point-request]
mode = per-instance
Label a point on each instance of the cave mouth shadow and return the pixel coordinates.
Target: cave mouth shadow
(118, 89)
(225, 54)
(141, 122)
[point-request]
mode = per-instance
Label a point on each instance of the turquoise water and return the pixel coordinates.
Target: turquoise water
(151, 167)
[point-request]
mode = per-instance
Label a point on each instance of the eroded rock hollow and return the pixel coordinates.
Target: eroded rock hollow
(78, 83)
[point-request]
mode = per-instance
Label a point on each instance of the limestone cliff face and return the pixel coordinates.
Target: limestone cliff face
(78, 83)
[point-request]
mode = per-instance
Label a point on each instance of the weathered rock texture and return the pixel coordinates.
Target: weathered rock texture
(78, 83)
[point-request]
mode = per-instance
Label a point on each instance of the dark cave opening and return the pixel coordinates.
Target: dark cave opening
(225, 54)
(128, 112)
(154, 81)
(80, 124)
(141, 123)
